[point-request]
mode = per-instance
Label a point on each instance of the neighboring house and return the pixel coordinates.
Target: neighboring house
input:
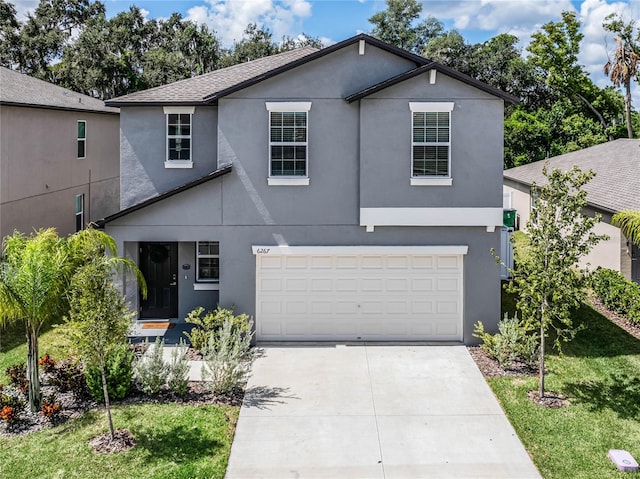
(615, 188)
(59, 156)
(348, 193)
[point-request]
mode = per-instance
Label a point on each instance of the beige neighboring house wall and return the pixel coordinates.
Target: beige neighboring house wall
(40, 171)
(614, 188)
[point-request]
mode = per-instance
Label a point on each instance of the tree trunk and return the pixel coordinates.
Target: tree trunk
(541, 365)
(107, 406)
(32, 370)
(596, 113)
(627, 108)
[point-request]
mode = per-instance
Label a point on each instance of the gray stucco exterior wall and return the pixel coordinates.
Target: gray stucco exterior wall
(41, 171)
(358, 156)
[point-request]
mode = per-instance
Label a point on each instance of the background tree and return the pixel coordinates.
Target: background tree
(33, 277)
(9, 35)
(99, 319)
(629, 223)
(399, 25)
(624, 66)
(548, 284)
(555, 50)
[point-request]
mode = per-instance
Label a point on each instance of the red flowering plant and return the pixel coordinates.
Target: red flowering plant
(47, 363)
(51, 409)
(9, 414)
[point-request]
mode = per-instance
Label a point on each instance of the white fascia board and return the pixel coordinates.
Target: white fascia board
(360, 250)
(184, 110)
(288, 106)
(431, 217)
(431, 106)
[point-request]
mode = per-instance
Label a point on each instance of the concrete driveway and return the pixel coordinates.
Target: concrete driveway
(372, 411)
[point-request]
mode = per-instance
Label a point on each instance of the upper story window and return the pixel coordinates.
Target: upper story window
(431, 143)
(179, 142)
(208, 261)
(288, 143)
(82, 139)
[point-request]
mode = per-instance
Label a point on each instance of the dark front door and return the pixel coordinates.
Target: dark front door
(635, 263)
(159, 266)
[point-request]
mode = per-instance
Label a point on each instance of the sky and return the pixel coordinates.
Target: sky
(336, 20)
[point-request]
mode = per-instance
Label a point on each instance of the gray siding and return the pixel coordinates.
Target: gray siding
(41, 173)
(143, 152)
(358, 156)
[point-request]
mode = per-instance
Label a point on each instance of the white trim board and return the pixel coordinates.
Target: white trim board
(359, 250)
(288, 106)
(430, 216)
(431, 106)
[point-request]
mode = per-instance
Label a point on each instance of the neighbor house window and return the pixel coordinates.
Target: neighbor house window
(82, 139)
(79, 212)
(208, 261)
(179, 142)
(431, 143)
(288, 143)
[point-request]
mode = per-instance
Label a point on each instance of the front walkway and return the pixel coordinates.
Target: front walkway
(368, 411)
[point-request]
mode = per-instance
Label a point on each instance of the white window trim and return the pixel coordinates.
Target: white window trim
(80, 213)
(82, 139)
(431, 107)
(178, 110)
(198, 256)
(294, 107)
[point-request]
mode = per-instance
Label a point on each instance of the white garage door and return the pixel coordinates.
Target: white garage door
(359, 293)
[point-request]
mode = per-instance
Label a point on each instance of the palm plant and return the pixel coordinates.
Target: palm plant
(33, 276)
(629, 223)
(621, 70)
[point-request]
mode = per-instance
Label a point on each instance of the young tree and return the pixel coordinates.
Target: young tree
(99, 318)
(548, 284)
(34, 273)
(625, 64)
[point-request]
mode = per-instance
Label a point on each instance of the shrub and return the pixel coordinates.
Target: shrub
(47, 363)
(9, 414)
(617, 293)
(151, 371)
(511, 343)
(51, 408)
(211, 322)
(178, 380)
(68, 376)
(118, 370)
(17, 375)
(12, 399)
(228, 359)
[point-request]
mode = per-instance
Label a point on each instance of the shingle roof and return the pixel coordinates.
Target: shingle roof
(423, 69)
(194, 90)
(616, 186)
(223, 170)
(19, 89)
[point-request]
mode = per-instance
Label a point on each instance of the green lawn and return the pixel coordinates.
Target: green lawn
(173, 440)
(599, 371)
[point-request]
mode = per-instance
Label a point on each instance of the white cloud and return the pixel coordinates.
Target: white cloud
(229, 18)
(23, 7)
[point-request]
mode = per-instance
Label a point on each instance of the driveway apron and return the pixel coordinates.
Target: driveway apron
(373, 411)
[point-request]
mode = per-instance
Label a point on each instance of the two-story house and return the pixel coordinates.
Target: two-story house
(348, 193)
(59, 156)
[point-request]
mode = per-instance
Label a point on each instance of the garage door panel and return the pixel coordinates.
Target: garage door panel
(359, 297)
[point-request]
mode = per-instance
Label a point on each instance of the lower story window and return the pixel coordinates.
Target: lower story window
(208, 261)
(79, 212)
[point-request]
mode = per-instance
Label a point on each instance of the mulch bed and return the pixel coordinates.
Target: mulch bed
(490, 368)
(123, 440)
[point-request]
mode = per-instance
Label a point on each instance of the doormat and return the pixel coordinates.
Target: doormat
(157, 325)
